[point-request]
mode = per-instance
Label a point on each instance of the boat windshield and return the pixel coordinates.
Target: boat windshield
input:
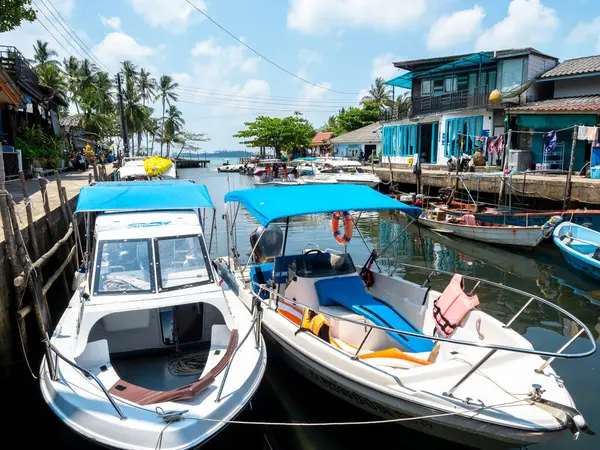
(182, 261)
(124, 266)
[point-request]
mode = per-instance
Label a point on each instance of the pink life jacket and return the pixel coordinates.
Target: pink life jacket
(468, 219)
(452, 306)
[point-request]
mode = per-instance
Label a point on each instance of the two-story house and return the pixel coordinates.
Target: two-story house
(451, 108)
(574, 87)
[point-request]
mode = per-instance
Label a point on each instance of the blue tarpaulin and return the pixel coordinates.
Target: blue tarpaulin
(269, 204)
(143, 196)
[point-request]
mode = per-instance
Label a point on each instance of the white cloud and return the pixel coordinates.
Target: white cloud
(166, 14)
(307, 57)
(362, 94)
(584, 32)
(118, 46)
(322, 16)
(64, 6)
(382, 66)
(181, 78)
(221, 60)
(111, 22)
(528, 23)
(458, 28)
(310, 92)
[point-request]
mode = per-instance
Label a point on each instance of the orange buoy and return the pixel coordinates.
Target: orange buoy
(342, 239)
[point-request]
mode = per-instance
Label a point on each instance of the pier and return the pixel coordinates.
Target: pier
(543, 186)
(184, 163)
(38, 257)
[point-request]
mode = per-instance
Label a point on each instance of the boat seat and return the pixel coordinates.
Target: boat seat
(261, 274)
(350, 292)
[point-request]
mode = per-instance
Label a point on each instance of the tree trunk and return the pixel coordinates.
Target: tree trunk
(140, 142)
(162, 127)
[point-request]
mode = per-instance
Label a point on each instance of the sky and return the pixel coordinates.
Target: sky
(339, 45)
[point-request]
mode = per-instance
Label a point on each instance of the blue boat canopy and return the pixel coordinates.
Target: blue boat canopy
(143, 196)
(269, 204)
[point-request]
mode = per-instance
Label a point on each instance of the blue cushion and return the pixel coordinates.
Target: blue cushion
(261, 274)
(350, 292)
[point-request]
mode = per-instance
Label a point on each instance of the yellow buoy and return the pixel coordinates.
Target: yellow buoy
(495, 97)
(156, 165)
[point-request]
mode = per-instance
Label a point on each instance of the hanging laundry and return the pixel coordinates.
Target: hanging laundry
(550, 141)
(592, 133)
(491, 145)
(582, 133)
(496, 145)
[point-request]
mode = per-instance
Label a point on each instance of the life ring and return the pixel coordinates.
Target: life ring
(335, 227)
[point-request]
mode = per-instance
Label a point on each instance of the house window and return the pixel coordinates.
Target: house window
(512, 73)
(425, 87)
(450, 84)
(492, 81)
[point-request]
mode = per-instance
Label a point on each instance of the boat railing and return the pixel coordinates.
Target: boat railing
(54, 367)
(256, 324)
(560, 353)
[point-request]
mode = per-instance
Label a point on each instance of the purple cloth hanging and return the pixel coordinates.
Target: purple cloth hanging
(550, 141)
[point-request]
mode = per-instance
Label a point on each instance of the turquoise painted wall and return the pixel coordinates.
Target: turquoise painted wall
(537, 147)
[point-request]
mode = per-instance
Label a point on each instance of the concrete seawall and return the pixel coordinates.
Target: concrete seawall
(537, 186)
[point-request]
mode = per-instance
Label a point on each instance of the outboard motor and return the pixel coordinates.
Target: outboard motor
(270, 243)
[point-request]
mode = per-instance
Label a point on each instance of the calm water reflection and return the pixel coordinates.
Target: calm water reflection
(285, 396)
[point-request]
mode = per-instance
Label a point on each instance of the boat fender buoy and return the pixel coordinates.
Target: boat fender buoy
(345, 238)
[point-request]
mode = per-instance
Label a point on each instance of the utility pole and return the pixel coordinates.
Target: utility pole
(123, 121)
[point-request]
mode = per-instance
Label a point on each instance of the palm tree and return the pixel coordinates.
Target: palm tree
(379, 93)
(148, 87)
(403, 105)
(51, 76)
(130, 71)
(71, 66)
(172, 127)
(43, 54)
(166, 88)
(331, 124)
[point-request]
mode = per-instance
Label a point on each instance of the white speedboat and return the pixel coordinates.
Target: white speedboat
(337, 171)
(133, 169)
(403, 351)
(151, 352)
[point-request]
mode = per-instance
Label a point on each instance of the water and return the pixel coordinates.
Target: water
(285, 396)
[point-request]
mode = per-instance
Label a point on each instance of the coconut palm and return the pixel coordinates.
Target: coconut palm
(379, 93)
(43, 54)
(172, 127)
(148, 86)
(51, 76)
(403, 105)
(71, 66)
(166, 91)
(130, 71)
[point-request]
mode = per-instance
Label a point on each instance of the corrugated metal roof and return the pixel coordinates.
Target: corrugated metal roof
(577, 66)
(360, 136)
(506, 53)
(568, 104)
(321, 136)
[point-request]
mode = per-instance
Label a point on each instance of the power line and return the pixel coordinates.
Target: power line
(189, 90)
(74, 34)
(263, 56)
(69, 52)
(235, 100)
(289, 110)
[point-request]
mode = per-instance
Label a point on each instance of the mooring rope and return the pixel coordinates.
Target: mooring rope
(190, 364)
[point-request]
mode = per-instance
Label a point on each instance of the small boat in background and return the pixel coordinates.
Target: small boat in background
(580, 247)
(522, 218)
(468, 227)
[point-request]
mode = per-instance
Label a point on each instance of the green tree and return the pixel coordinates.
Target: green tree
(14, 12)
(71, 66)
(283, 135)
(166, 92)
(354, 118)
(148, 86)
(172, 127)
(191, 140)
(43, 54)
(379, 93)
(403, 105)
(51, 76)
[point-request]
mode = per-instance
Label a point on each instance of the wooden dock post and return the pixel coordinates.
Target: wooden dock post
(568, 186)
(35, 251)
(65, 214)
(47, 213)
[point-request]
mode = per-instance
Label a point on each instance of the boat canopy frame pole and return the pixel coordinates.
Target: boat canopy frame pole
(285, 239)
(363, 239)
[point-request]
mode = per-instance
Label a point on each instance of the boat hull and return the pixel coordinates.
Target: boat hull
(452, 428)
(578, 260)
(538, 218)
(525, 237)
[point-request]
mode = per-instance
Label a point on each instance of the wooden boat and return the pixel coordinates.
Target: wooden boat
(497, 234)
(522, 218)
(580, 247)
